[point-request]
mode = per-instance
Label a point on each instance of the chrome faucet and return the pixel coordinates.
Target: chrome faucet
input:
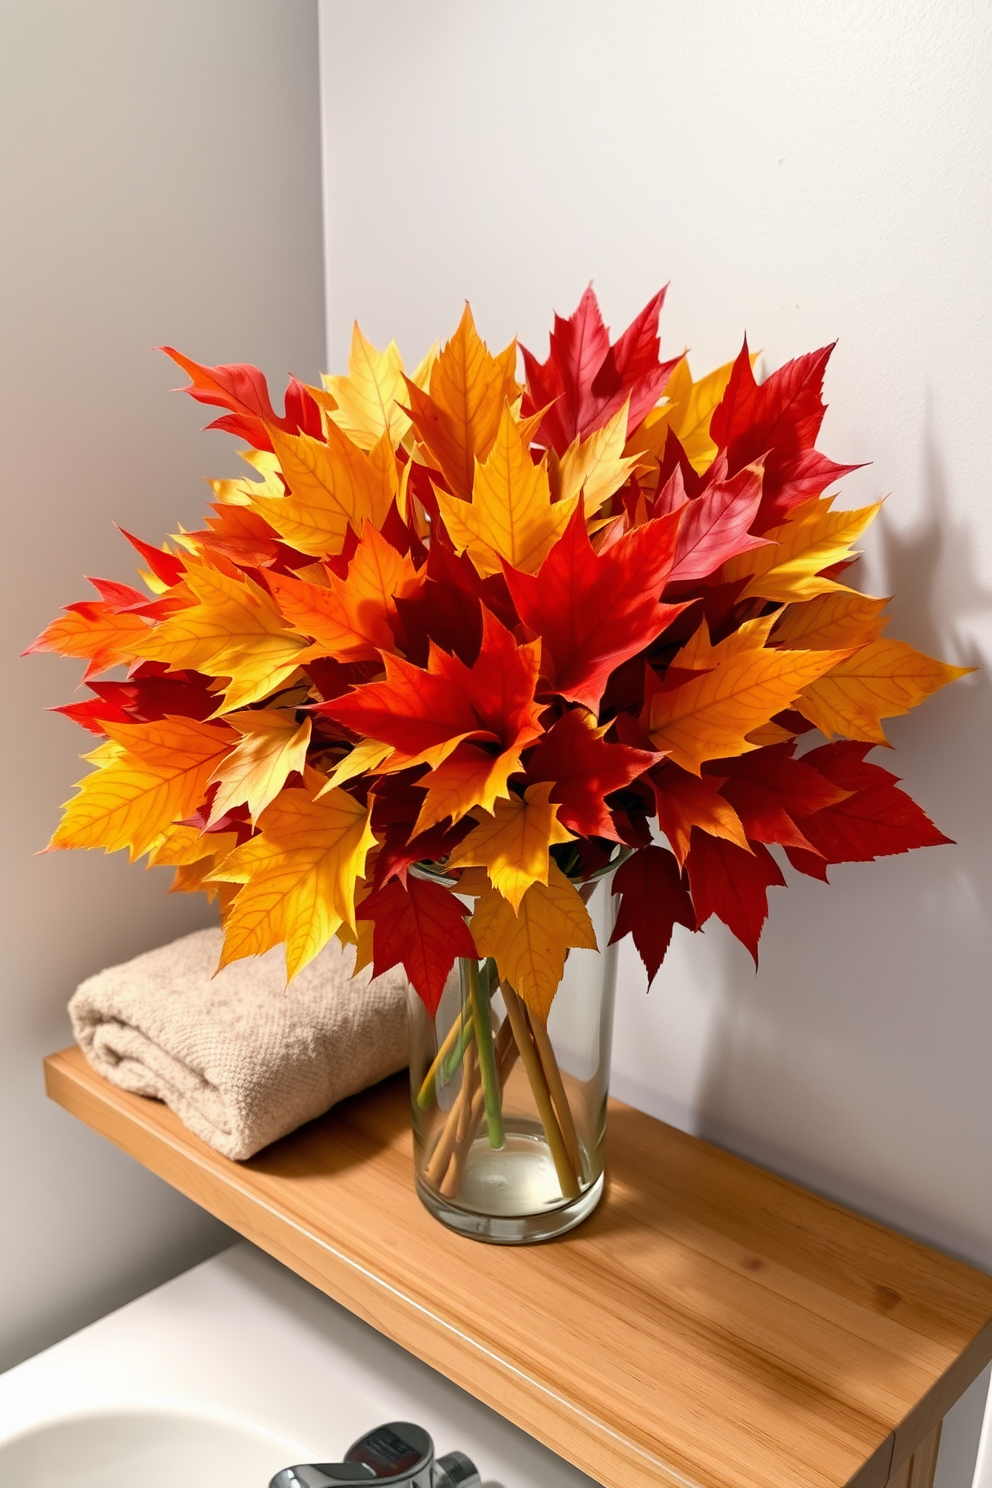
(397, 1453)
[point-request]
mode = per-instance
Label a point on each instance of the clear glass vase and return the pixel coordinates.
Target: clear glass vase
(509, 1116)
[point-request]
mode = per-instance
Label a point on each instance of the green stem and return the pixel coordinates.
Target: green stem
(455, 1055)
(478, 996)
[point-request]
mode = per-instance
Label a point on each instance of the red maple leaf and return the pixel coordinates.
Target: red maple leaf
(732, 884)
(873, 819)
(779, 420)
(585, 769)
(593, 611)
(421, 927)
(399, 851)
(422, 714)
(675, 462)
(92, 713)
(447, 609)
(771, 792)
(148, 695)
(244, 391)
(119, 597)
(716, 525)
(165, 566)
(586, 380)
(654, 900)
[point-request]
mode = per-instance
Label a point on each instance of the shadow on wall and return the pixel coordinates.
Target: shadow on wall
(864, 1018)
(931, 570)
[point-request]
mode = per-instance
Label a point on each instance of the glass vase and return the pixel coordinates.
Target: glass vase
(509, 1114)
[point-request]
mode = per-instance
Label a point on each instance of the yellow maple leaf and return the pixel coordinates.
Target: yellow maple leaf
(148, 777)
(272, 746)
(688, 412)
(243, 491)
(512, 844)
(368, 401)
(597, 466)
(298, 875)
(182, 846)
(193, 854)
(234, 630)
(530, 945)
(770, 733)
(882, 680)
(349, 619)
(332, 486)
(710, 716)
(366, 755)
(511, 515)
(812, 538)
(191, 878)
(843, 618)
(700, 655)
(363, 937)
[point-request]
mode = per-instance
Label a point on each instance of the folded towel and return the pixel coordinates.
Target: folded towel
(238, 1057)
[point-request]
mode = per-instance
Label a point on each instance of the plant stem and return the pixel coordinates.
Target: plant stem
(478, 996)
(452, 1146)
(506, 1057)
(443, 1148)
(464, 1128)
(459, 1034)
(556, 1086)
(567, 1175)
(457, 1053)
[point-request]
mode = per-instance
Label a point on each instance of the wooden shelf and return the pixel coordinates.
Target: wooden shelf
(710, 1325)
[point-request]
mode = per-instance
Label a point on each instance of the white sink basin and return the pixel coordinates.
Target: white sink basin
(142, 1449)
(224, 1376)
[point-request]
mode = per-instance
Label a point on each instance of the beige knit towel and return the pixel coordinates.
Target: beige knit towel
(238, 1057)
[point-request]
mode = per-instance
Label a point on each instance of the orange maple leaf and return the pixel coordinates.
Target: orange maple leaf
(882, 680)
(148, 776)
(685, 801)
(513, 843)
(93, 630)
(530, 945)
(350, 619)
(458, 419)
(709, 716)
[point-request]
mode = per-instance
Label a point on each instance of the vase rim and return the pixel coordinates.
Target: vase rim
(419, 870)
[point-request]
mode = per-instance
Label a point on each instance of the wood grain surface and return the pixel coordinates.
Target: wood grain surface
(711, 1325)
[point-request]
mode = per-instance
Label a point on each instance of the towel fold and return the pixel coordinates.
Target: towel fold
(238, 1057)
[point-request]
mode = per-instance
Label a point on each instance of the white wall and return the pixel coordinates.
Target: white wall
(160, 182)
(805, 172)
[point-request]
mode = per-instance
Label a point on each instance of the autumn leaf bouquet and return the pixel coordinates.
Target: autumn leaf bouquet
(469, 649)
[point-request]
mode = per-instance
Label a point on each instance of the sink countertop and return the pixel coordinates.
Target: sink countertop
(241, 1337)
